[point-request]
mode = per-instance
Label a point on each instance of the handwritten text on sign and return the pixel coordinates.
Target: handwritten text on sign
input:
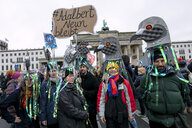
(67, 22)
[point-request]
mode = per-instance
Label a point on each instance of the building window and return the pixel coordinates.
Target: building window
(19, 54)
(2, 68)
(173, 46)
(177, 46)
(6, 67)
(6, 60)
(32, 66)
(185, 45)
(182, 51)
(189, 50)
(2, 55)
(36, 58)
(189, 56)
(6, 54)
(32, 59)
(11, 60)
(10, 54)
(40, 53)
(181, 46)
(188, 45)
(2, 60)
(36, 53)
(11, 67)
(23, 53)
(37, 66)
(31, 53)
(15, 54)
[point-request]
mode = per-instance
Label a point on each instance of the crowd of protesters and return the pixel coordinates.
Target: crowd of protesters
(110, 96)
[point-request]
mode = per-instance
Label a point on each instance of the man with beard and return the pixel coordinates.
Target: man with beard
(164, 93)
(90, 86)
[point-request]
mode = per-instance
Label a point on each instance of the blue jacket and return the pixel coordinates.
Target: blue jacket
(47, 105)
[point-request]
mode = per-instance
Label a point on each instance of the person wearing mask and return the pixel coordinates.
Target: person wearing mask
(47, 97)
(71, 104)
(115, 100)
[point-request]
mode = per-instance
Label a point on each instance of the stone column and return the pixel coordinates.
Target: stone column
(100, 59)
(137, 52)
(129, 50)
(125, 49)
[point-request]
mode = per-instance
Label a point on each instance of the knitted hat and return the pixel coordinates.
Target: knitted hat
(112, 65)
(16, 75)
(9, 73)
(157, 54)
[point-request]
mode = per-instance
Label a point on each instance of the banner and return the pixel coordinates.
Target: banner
(67, 22)
(50, 41)
(91, 58)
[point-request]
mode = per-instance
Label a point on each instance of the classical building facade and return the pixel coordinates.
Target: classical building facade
(3, 45)
(58, 59)
(183, 49)
(133, 49)
(16, 58)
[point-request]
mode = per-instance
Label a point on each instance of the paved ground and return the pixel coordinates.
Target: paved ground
(142, 121)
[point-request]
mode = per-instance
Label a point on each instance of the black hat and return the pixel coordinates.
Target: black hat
(83, 62)
(67, 72)
(157, 54)
(190, 67)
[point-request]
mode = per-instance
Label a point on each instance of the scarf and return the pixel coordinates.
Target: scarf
(112, 87)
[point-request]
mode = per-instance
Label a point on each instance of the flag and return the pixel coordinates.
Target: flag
(50, 41)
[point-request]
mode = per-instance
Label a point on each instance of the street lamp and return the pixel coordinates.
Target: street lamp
(27, 61)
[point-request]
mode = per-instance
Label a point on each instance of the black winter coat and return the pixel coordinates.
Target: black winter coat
(71, 113)
(13, 100)
(47, 105)
(137, 84)
(90, 85)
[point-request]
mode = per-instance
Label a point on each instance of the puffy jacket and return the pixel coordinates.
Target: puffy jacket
(125, 100)
(47, 105)
(166, 99)
(71, 113)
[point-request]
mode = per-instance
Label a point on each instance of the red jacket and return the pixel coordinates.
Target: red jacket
(125, 93)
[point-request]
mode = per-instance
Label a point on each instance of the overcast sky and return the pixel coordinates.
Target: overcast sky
(23, 22)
